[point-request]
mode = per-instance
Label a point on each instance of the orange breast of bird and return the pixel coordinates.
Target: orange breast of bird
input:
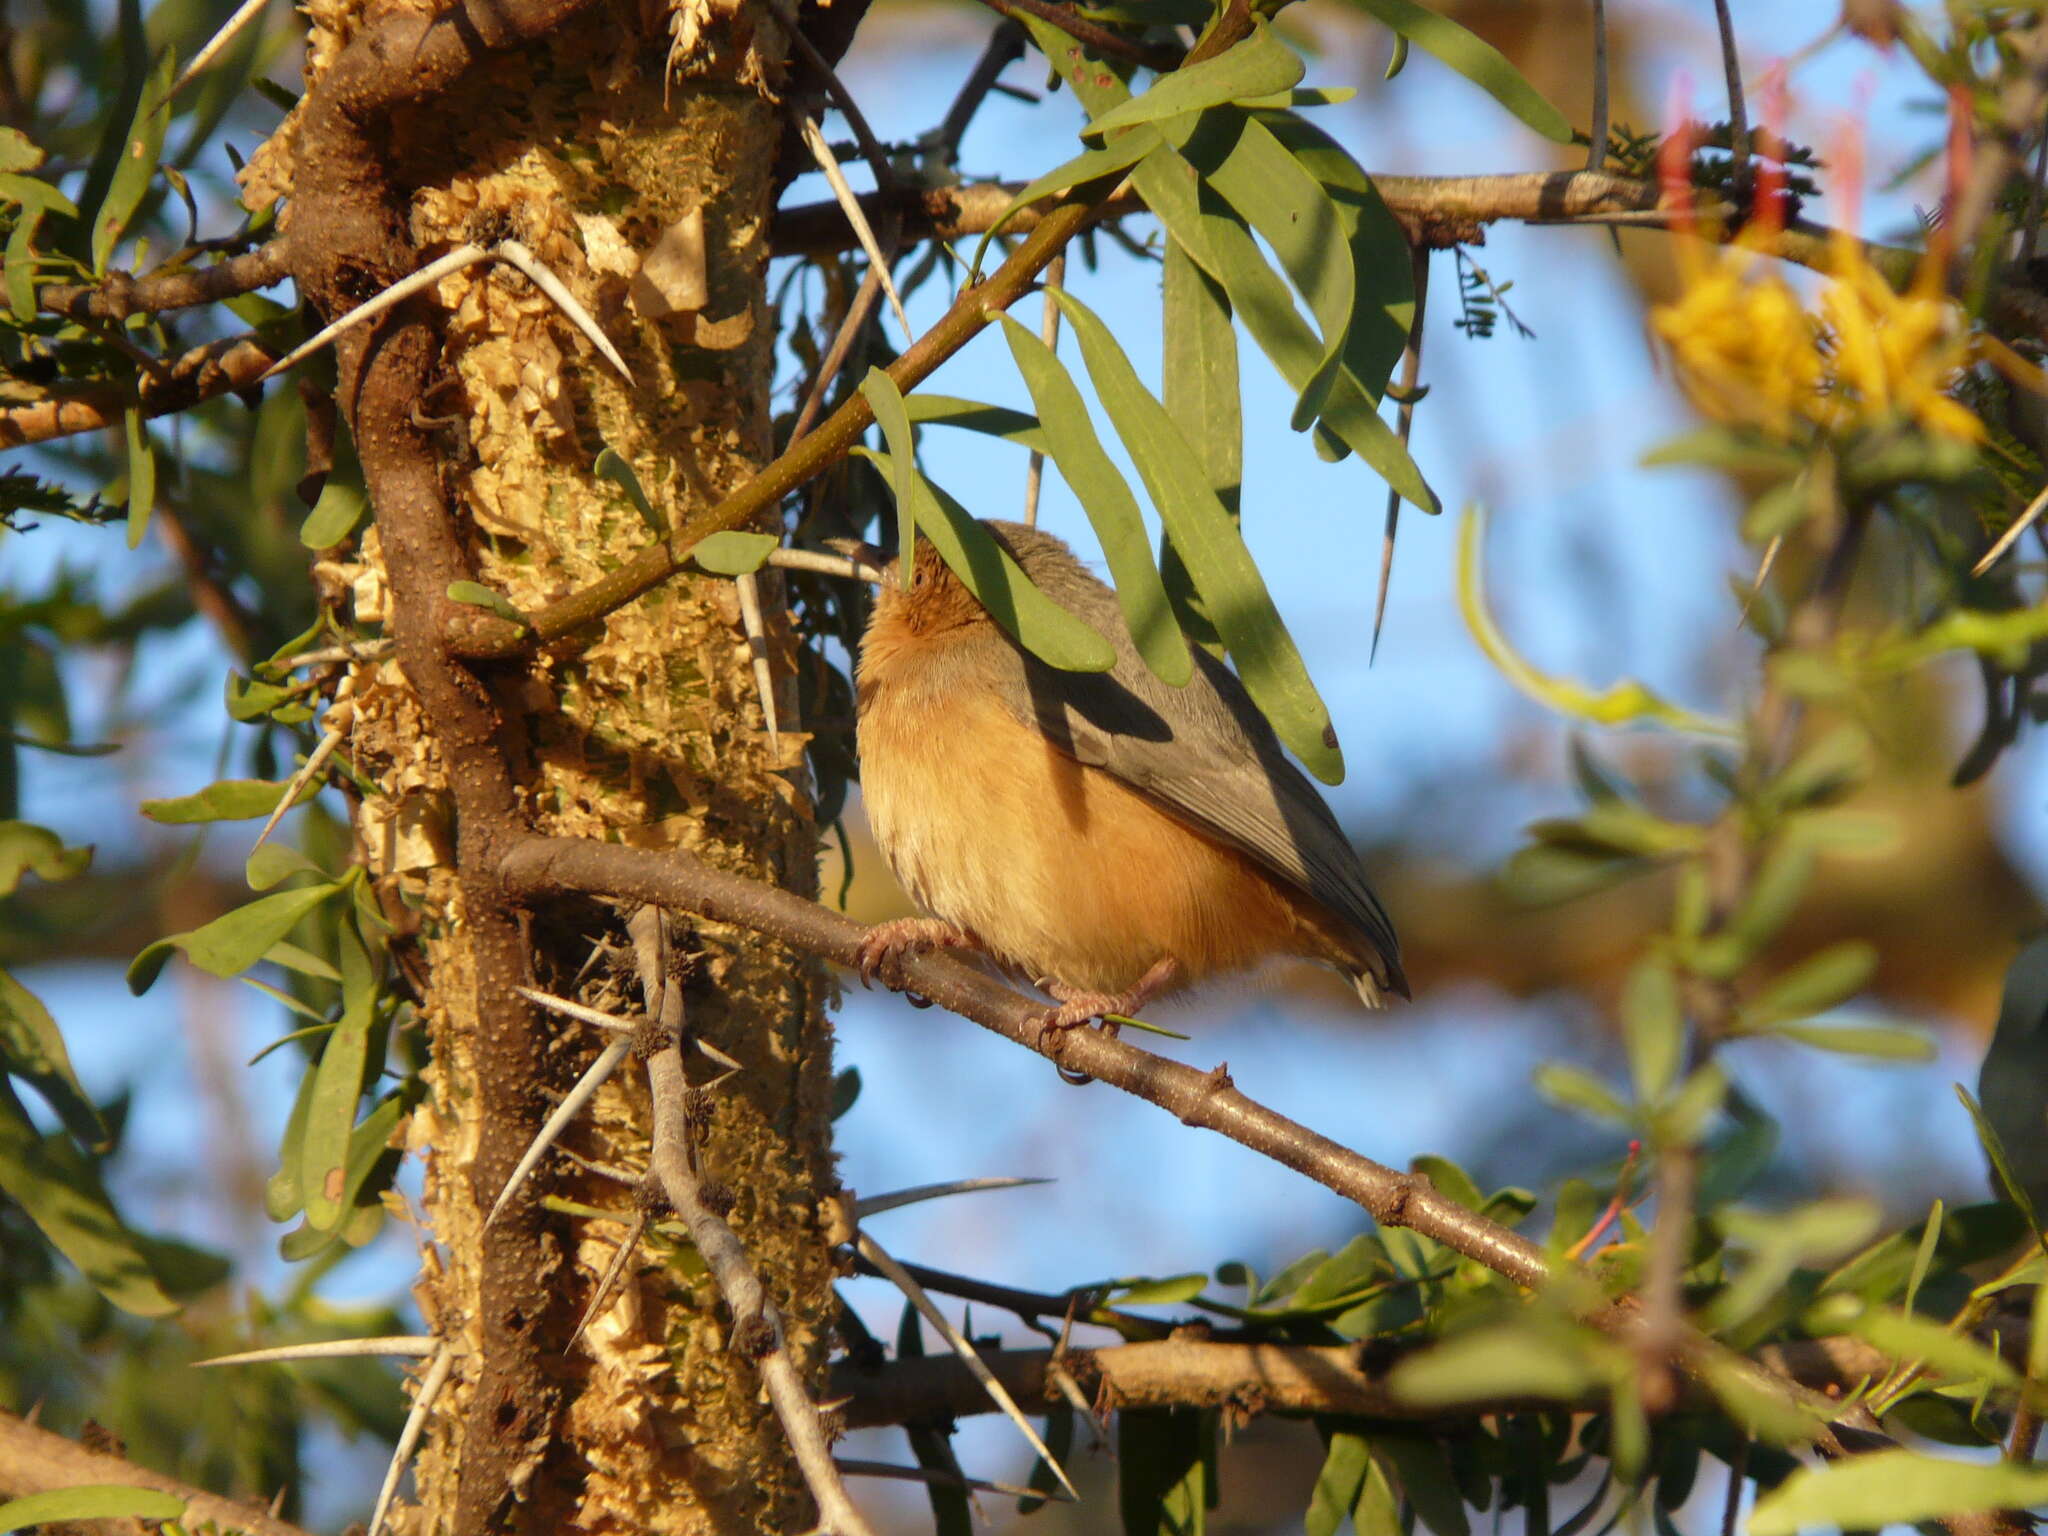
(1061, 870)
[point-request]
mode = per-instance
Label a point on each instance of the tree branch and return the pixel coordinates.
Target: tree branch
(205, 373)
(37, 1460)
(121, 294)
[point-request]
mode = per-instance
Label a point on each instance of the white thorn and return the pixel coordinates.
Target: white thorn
(409, 1437)
(566, 1111)
(576, 1010)
(401, 1346)
(369, 309)
(245, 13)
(850, 205)
(565, 301)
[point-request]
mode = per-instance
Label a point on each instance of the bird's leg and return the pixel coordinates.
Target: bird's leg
(1078, 1007)
(886, 945)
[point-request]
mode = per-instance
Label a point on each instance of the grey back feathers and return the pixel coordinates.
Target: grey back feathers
(1203, 753)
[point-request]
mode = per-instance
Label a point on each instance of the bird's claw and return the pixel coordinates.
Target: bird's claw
(884, 948)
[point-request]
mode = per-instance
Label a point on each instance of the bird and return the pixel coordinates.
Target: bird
(1106, 836)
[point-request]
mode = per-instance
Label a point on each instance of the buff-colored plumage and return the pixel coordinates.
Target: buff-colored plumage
(1103, 834)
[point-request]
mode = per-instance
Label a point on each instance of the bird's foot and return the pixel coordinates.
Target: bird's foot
(1078, 1007)
(886, 946)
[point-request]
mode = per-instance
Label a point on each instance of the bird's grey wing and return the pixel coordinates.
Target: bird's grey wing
(1203, 753)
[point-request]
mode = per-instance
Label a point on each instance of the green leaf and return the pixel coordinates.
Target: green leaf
(274, 863)
(1474, 58)
(1260, 65)
(337, 1086)
(1059, 1440)
(1883, 1041)
(32, 1049)
(17, 151)
(226, 800)
(1572, 1088)
(733, 553)
(2013, 1081)
(474, 594)
(36, 197)
(335, 514)
(1338, 1483)
(284, 1194)
(974, 416)
(1774, 894)
(886, 400)
(1165, 1462)
(1887, 1488)
(1906, 1337)
(141, 475)
(615, 469)
(140, 153)
(1426, 1482)
(1207, 539)
(1199, 388)
(1772, 1415)
(233, 942)
(1501, 1360)
(1655, 1026)
(1814, 985)
(1779, 1243)
(2001, 1165)
(61, 1193)
(1112, 509)
(1166, 1292)
(1089, 165)
(27, 848)
(1034, 620)
(21, 264)
(90, 1501)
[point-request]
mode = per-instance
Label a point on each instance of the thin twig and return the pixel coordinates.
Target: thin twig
(1738, 110)
(850, 326)
(1100, 39)
(1049, 333)
(1411, 372)
(1596, 153)
(1005, 46)
(854, 1467)
(430, 1386)
(757, 1330)
(874, 1205)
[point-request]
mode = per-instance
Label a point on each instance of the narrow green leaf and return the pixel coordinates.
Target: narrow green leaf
(1261, 65)
(337, 1086)
(32, 1048)
(26, 848)
(1573, 1088)
(1199, 388)
(976, 416)
(1504, 1360)
(141, 475)
(1208, 540)
(1113, 511)
(1774, 1416)
(226, 800)
(887, 402)
(1814, 985)
(1338, 1484)
(474, 594)
(1655, 1026)
(1034, 620)
(2001, 1166)
(1426, 1482)
(61, 1193)
(233, 942)
(334, 515)
(1167, 1292)
(611, 466)
(1474, 58)
(1952, 1355)
(140, 152)
(1887, 1488)
(36, 197)
(90, 1501)
(733, 553)
(1376, 1512)
(1882, 1041)
(284, 1194)
(21, 265)
(1089, 165)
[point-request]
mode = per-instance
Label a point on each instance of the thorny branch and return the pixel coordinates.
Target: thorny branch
(537, 867)
(37, 1460)
(757, 1333)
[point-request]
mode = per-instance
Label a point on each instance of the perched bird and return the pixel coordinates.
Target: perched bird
(1104, 835)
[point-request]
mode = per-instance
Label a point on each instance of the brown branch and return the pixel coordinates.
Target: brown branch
(1110, 44)
(36, 1460)
(121, 294)
(1187, 1371)
(205, 373)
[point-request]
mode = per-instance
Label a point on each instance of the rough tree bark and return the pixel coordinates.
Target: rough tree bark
(585, 132)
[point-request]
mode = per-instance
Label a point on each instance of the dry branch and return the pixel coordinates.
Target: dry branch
(37, 1460)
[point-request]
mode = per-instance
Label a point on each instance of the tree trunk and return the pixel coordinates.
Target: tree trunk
(478, 416)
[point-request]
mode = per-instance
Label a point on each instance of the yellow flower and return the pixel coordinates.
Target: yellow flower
(1749, 353)
(1746, 351)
